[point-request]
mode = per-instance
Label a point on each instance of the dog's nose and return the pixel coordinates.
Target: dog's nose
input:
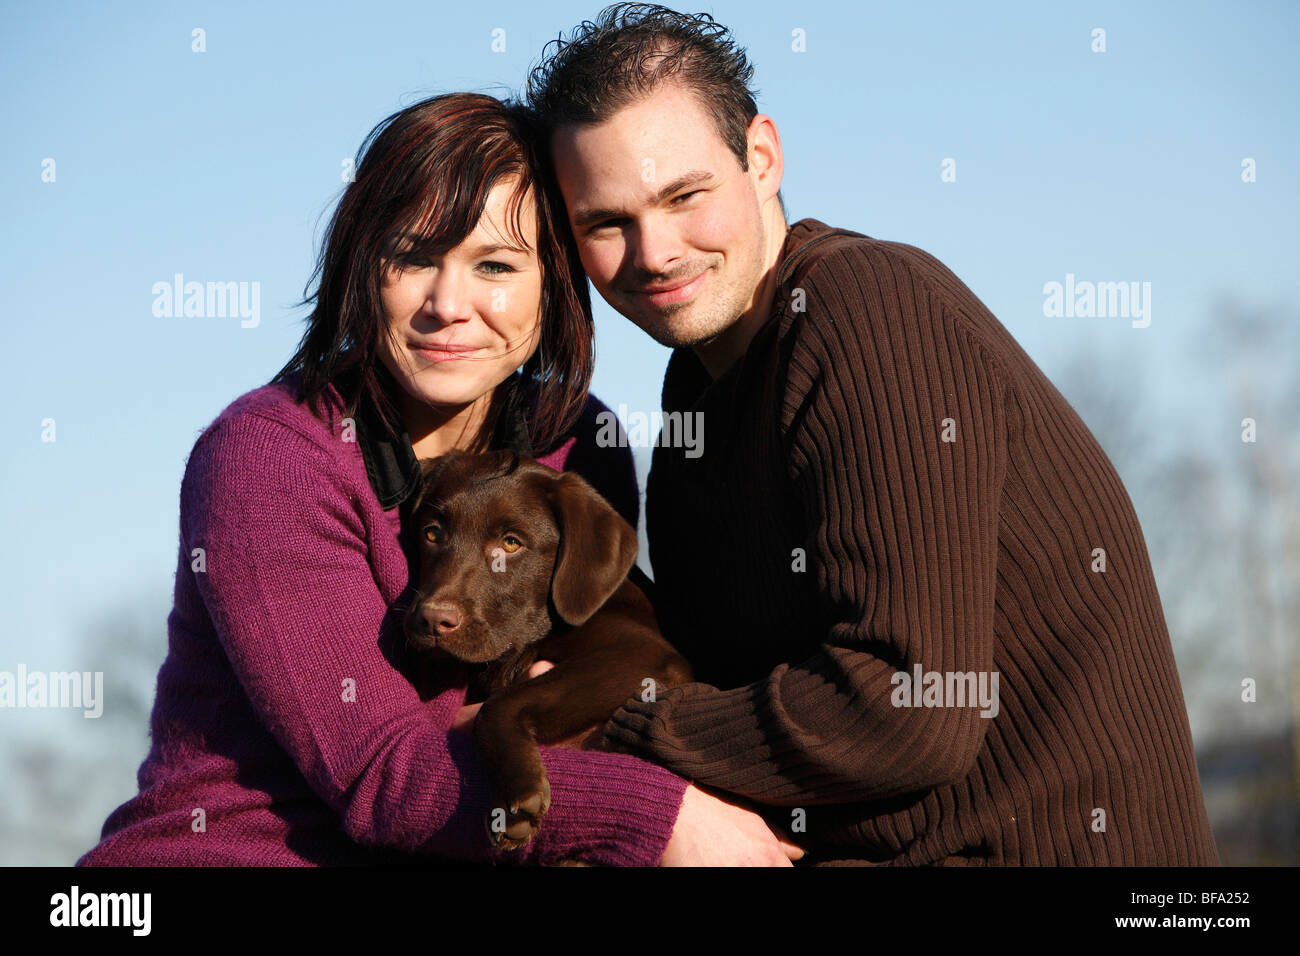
(440, 618)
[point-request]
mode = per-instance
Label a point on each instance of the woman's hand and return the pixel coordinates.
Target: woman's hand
(464, 721)
(712, 832)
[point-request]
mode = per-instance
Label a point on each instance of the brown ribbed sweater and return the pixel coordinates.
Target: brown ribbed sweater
(889, 482)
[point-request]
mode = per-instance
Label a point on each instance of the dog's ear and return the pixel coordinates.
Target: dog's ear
(597, 548)
(430, 469)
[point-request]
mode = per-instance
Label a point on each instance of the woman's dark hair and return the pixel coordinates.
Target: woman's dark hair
(628, 50)
(427, 171)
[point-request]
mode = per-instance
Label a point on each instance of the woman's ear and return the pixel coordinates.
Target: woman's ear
(597, 549)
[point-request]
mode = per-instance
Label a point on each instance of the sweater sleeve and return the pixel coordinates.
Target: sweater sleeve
(294, 600)
(895, 431)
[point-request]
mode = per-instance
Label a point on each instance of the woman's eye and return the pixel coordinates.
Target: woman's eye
(407, 255)
(498, 268)
(510, 544)
(409, 263)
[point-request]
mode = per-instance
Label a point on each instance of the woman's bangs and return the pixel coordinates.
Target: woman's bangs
(447, 215)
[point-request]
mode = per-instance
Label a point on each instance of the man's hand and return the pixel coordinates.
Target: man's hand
(712, 832)
(464, 721)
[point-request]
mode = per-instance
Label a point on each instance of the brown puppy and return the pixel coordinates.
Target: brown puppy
(519, 563)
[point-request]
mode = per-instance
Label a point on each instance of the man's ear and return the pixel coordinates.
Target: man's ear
(766, 158)
(597, 549)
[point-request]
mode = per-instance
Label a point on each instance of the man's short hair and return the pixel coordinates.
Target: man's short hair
(629, 50)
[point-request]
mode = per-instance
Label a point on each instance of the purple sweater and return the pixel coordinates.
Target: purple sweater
(278, 714)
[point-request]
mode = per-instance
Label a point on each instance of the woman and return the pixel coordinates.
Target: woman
(283, 731)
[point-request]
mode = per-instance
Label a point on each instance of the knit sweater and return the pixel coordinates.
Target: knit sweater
(283, 732)
(890, 486)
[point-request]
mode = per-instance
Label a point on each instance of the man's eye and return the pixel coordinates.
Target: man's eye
(687, 195)
(510, 544)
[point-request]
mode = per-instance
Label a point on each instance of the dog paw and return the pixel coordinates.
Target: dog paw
(513, 821)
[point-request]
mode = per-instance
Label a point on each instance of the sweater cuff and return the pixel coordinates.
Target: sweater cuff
(606, 808)
(705, 734)
(621, 809)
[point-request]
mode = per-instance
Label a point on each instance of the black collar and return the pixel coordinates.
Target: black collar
(391, 465)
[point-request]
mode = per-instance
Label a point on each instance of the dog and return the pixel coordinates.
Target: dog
(518, 563)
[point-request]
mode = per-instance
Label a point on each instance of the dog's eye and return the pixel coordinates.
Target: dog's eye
(433, 533)
(510, 544)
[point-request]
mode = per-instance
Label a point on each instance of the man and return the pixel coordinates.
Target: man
(917, 598)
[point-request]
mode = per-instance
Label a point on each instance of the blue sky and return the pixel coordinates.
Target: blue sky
(224, 165)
